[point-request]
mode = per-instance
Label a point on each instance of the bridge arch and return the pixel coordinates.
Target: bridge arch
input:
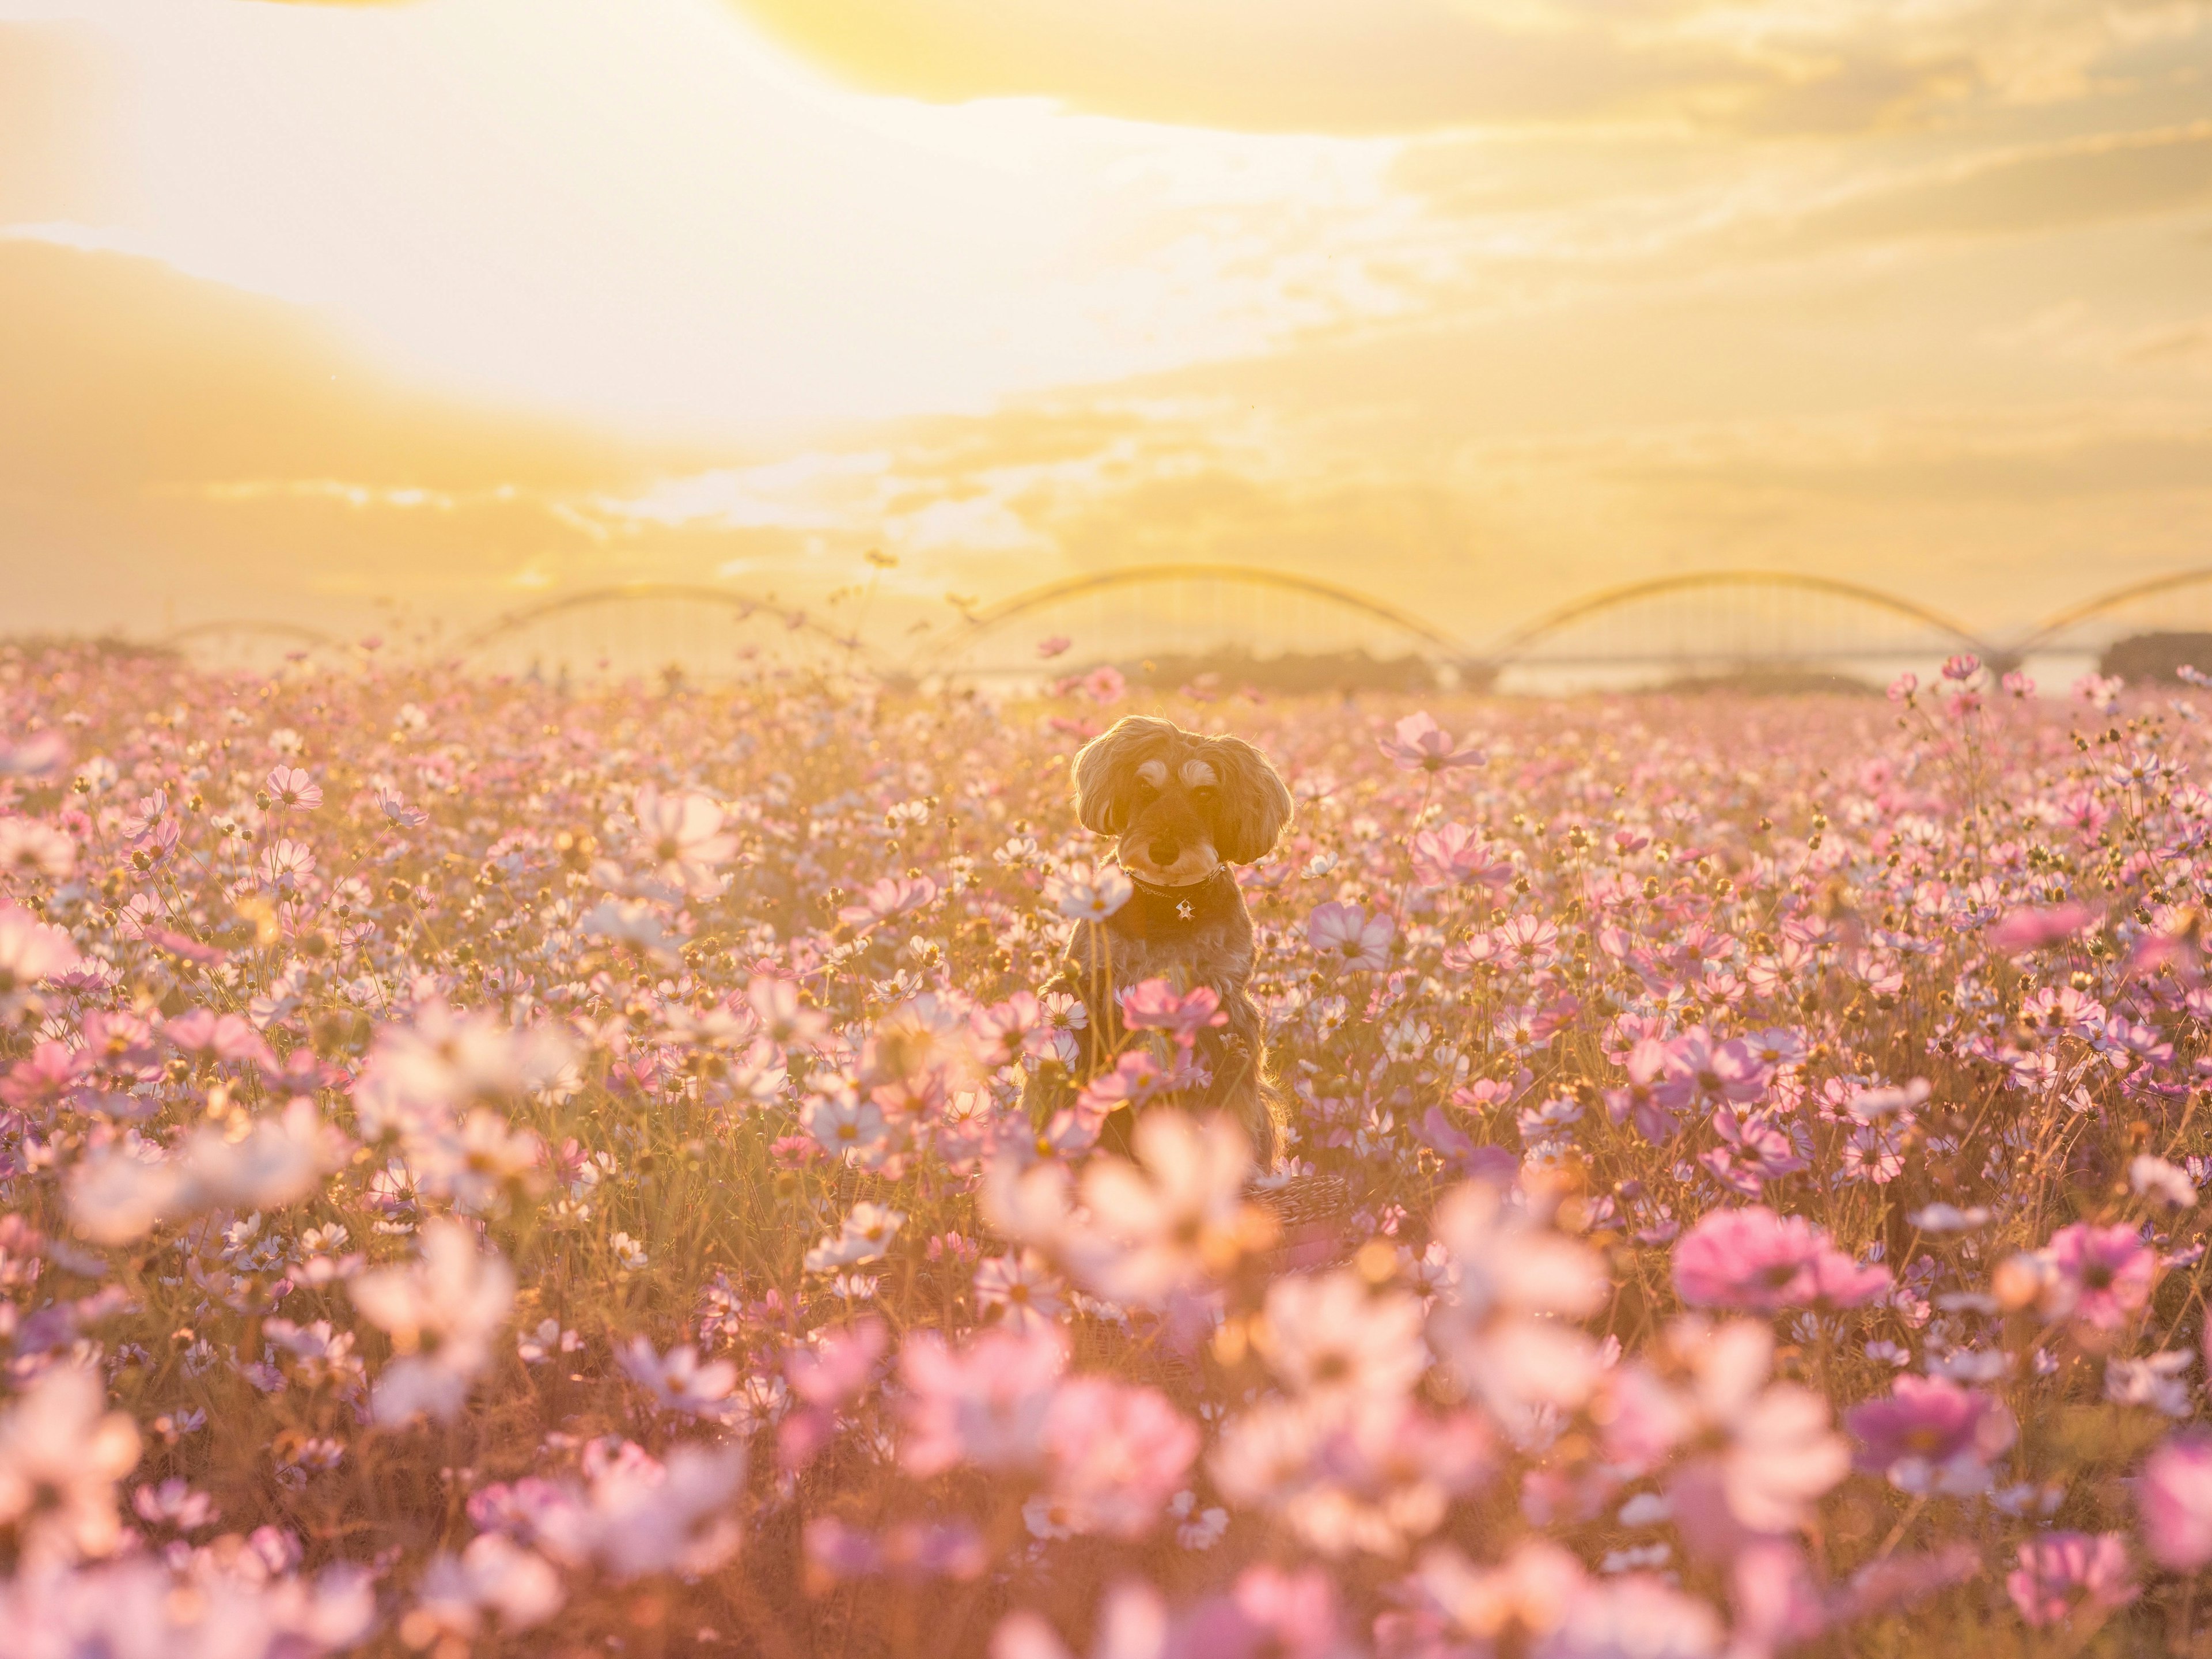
(2183, 601)
(1190, 614)
(1721, 621)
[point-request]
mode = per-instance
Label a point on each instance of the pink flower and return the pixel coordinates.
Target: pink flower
(2066, 1570)
(2103, 1274)
(1752, 1258)
(1053, 646)
(889, 897)
(1421, 745)
(984, 1404)
(1932, 1436)
(1153, 1005)
(1118, 1452)
(61, 1453)
(1347, 935)
(1902, 688)
(2174, 1496)
(291, 788)
(1747, 1258)
(1104, 684)
(287, 864)
(37, 755)
(2030, 929)
(1453, 855)
(1962, 667)
(31, 950)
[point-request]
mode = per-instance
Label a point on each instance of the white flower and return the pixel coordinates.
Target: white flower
(1021, 1288)
(631, 923)
(1089, 894)
(1168, 1222)
(865, 1236)
(61, 1453)
(630, 1255)
(680, 839)
(1332, 1336)
(681, 1382)
(2159, 1381)
(1504, 1319)
(124, 1192)
(641, 1516)
(1948, 1219)
(2155, 1178)
(442, 1312)
(494, 1574)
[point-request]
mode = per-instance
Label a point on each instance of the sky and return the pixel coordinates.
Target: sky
(1477, 305)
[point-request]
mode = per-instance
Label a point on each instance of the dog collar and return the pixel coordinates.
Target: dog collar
(1153, 912)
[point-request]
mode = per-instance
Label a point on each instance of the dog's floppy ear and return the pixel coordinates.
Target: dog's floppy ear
(1255, 807)
(1106, 770)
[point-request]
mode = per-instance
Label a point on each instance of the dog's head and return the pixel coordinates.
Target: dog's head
(1182, 804)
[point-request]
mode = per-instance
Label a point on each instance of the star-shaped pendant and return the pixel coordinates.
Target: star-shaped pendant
(1183, 909)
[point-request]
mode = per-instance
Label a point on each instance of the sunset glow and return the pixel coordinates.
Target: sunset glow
(1502, 300)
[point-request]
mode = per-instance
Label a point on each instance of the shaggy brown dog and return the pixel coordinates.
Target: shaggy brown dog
(1183, 807)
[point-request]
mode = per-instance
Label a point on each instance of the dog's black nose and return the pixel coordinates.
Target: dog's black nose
(1163, 851)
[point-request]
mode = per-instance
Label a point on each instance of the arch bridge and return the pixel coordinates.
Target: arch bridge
(1183, 617)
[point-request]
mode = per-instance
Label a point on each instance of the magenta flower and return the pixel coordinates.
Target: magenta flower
(1453, 855)
(1153, 1005)
(1118, 1453)
(1748, 1258)
(2102, 1275)
(984, 1404)
(887, 898)
(2066, 1571)
(2174, 1495)
(1932, 1436)
(1347, 935)
(1421, 745)
(2030, 929)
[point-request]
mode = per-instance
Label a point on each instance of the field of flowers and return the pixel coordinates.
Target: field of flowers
(486, 1169)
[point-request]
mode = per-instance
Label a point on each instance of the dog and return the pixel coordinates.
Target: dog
(1183, 808)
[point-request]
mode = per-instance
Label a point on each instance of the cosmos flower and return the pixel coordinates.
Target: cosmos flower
(2173, 1496)
(1418, 744)
(62, 1453)
(292, 790)
(1932, 1436)
(1346, 936)
(442, 1311)
(1336, 1334)
(679, 840)
(1089, 894)
(1116, 1453)
(984, 1404)
(1752, 1259)
(2063, 1573)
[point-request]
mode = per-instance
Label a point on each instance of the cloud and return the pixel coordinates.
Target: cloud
(2058, 186)
(1417, 65)
(162, 437)
(57, 103)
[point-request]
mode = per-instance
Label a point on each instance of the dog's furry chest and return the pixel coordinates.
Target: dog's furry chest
(1215, 950)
